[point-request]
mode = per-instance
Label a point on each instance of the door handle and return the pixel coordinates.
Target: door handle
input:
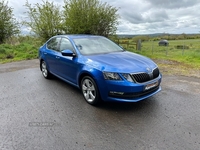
(57, 57)
(45, 53)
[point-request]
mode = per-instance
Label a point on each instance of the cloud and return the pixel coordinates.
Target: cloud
(172, 4)
(144, 16)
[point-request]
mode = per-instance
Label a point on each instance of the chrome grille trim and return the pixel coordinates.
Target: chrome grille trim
(144, 77)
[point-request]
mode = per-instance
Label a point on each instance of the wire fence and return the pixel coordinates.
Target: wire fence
(175, 47)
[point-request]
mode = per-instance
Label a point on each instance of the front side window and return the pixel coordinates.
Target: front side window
(65, 44)
(53, 44)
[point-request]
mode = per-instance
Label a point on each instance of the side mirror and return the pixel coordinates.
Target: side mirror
(68, 52)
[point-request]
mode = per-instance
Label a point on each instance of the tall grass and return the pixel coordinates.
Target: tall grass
(19, 48)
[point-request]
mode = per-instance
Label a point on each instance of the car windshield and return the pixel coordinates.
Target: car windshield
(96, 45)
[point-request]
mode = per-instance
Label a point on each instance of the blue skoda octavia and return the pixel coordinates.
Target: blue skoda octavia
(101, 69)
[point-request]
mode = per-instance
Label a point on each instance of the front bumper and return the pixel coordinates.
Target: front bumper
(134, 97)
(124, 91)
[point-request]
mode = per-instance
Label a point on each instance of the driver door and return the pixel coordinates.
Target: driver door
(67, 65)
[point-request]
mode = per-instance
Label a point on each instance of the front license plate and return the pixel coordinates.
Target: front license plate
(150, 86)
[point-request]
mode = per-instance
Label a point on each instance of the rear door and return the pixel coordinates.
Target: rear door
(51, 54)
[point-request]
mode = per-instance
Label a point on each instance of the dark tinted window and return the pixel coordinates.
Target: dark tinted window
(65, 44)
(53, 44)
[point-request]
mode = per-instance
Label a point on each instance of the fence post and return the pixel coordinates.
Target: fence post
(166, 49)
(139, 45)
(183, 48)
(127, 45)
(152, 47)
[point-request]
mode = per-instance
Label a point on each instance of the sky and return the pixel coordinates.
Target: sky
(142, 16)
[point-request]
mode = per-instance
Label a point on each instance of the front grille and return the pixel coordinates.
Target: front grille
(144, 77)
(141, 77)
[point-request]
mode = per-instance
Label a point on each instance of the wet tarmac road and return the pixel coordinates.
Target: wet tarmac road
(41, 114)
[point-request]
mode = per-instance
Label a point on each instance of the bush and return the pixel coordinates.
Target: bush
(182, 47)
(2, 50)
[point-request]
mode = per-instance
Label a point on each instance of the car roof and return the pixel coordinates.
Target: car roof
(77, 35)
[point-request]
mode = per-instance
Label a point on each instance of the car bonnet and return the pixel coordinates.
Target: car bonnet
(124, 62)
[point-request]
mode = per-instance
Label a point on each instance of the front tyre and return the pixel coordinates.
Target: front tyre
(90, 91)
(44, 70)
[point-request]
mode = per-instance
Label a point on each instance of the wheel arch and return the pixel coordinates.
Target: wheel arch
(82, 75)
(46, 64)
(41, 63)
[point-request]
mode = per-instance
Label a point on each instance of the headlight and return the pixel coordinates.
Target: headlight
(127, 77)
(111, 76)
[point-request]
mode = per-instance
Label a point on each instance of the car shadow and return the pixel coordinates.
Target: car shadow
(146, 104)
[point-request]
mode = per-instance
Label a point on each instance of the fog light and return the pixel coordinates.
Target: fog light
(116, 93)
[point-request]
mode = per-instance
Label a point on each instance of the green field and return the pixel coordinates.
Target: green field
(186, 52)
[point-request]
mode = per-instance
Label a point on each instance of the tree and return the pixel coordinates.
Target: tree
(89, 17)
(8, 24)
(45, 19)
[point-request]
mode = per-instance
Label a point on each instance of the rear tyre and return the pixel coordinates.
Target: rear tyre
(44, 70)
(90, 91)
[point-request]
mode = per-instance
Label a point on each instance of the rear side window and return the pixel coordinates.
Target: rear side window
(53, 44)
